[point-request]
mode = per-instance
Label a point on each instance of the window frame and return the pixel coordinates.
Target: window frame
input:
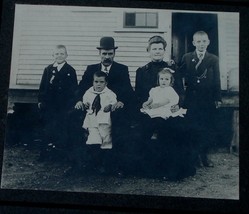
(141, 27)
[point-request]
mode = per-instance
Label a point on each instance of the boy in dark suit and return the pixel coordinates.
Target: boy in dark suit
(200, 70)
(55, 99)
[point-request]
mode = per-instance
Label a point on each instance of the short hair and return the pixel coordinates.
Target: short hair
(201, 33)
(61, 47)
(101, 74)
(166, 71)
(156, 40)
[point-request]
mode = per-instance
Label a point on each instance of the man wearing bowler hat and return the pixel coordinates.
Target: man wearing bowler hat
(119, 82)
(118, 75)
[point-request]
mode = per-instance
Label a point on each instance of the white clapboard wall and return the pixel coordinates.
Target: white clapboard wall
(229, 50)
(38, 29)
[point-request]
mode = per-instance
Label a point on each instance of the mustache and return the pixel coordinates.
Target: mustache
(108, 60)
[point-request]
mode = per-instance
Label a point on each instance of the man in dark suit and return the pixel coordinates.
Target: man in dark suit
(203, 93)
(119, 82)
(118, 75)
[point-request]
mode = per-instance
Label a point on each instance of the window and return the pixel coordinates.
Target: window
(140, 20)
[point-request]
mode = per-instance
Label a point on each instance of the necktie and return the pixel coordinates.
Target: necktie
(96, 104)
(200, 56)
(105, 70)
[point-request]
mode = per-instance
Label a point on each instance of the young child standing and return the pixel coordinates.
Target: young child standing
(98, 100)
(163, 97)
(55, 100)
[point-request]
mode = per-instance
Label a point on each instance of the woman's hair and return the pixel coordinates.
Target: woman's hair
(166, 71)
(156, 40)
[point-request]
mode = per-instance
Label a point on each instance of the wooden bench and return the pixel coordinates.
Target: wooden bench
(231, 100)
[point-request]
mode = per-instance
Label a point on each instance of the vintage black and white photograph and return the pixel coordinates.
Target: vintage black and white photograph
(135, 101)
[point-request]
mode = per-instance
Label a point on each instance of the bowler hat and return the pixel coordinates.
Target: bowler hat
(107, 43)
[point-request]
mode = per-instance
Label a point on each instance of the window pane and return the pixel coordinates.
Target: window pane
(151, 20)
(130, 19)
(140, 19)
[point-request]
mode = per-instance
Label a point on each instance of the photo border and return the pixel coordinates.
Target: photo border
(120, 202)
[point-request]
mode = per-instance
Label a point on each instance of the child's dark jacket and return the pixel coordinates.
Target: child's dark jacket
(57, 89)
(207, 89)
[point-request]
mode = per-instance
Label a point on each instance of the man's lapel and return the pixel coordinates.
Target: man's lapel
(99, 67)
(63, 69)
(112, 71)
(193, 60)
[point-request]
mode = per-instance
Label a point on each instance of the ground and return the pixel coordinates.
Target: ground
(22, 170)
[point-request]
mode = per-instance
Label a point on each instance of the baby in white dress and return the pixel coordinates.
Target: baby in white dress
(163, 97)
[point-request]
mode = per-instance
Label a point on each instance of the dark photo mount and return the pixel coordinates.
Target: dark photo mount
(38, 201)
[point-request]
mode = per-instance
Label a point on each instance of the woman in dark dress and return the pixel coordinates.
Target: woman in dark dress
(170, 155)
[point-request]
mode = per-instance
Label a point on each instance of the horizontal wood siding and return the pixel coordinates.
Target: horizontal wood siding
(39, 28)
(229, 50)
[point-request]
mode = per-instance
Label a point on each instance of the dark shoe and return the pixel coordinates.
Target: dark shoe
(119, 174)
(100, 170)
(74, 171)
(207, 162)
(43, 156)
(198, 162)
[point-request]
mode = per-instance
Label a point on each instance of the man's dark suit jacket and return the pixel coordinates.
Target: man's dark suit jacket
(118, 81)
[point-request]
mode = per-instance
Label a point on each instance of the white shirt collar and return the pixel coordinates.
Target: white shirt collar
(103, 68)
(198, 53)
(59, 66)
(96, 92)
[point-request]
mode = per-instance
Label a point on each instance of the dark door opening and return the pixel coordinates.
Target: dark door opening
(184, 25)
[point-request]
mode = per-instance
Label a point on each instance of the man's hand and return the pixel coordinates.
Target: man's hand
(154, 105)
(174, 108)
(117, 105)
(79, 105)
(146, 105)
(86, 106)
(39, 105)
(108, 108)
(218, 104)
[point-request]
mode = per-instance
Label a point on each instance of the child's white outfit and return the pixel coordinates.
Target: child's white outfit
(99, 125)
(161, 95)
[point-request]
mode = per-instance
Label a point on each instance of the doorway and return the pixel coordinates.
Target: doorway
(184, 25)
